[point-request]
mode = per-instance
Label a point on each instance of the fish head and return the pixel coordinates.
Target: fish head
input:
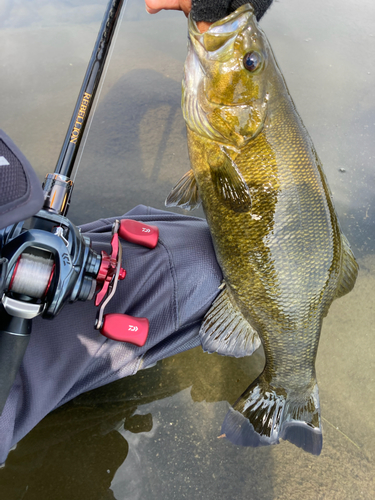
(225, 86)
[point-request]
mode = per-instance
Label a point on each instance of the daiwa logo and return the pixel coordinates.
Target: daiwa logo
(3, 161)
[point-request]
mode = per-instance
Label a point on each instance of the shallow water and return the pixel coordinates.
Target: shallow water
(154, 435)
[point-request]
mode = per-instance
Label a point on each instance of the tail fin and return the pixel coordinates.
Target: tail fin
(264, 414)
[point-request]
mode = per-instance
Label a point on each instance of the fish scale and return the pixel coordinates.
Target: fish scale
(273, 225)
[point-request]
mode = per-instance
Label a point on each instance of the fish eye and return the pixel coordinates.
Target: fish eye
(252, 61)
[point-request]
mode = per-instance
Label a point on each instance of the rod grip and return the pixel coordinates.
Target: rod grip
(14, 338)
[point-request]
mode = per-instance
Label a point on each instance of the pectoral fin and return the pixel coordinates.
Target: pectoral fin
(185, 193)
(349, 270)
(225, 330)
(228, 182)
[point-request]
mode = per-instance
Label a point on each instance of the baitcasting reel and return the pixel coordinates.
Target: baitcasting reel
(45, 261)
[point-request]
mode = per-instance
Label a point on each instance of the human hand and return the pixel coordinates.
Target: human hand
(154, 6)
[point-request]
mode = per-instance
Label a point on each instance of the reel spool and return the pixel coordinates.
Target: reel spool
(32, 275)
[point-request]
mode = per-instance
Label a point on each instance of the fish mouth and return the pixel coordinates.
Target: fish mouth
(226, 27)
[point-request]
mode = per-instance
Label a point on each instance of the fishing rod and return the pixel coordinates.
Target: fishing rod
(45, 261)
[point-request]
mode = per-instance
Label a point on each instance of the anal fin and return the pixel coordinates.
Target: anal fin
(225, 330)
(185, 193)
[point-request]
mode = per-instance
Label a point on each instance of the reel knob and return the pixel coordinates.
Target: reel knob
(125, 328)
(139, 233)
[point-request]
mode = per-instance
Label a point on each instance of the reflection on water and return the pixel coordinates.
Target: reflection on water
(154, 435)
(141, 143)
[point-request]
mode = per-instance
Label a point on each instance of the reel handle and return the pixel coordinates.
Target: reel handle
(122, 327)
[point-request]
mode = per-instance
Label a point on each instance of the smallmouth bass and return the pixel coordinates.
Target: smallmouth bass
(273, 224)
